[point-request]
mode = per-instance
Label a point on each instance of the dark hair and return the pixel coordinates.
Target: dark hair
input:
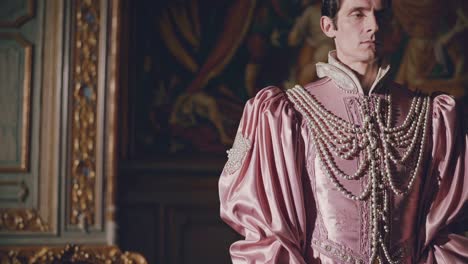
(330, 8)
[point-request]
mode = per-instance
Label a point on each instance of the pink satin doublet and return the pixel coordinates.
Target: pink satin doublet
(274, 192)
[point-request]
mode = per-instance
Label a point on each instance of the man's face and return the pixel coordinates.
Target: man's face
(358, 30)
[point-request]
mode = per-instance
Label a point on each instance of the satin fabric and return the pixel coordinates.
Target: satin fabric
(281, 201)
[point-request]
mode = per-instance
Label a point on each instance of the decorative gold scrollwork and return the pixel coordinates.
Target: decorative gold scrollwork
(70, 254)
(21, 220)
(84, 107)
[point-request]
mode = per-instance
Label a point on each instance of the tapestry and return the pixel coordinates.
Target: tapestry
(194, 63)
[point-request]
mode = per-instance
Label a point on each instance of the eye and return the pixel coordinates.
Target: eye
(357, 14)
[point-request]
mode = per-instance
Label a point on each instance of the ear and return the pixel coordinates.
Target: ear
(326, 23)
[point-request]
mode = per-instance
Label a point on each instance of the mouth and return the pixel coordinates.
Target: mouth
(371, 42)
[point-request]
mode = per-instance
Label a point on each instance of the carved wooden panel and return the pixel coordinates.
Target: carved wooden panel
(15, 13)
(139, 228)
(197, 235)
(172, 215)
(58, 82)
(15, 103)
(20, 68)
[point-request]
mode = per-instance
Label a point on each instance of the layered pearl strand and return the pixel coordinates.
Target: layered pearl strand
(376, 141)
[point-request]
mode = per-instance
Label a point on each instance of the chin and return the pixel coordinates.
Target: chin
(366, 59)
(370, 56)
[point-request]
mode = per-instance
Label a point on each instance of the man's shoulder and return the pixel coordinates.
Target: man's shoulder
(318, 84)
(269, 99)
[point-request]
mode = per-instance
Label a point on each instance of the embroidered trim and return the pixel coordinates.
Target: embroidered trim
(346, 255)
(344, 77)
(336, 252)
(319, 229)
(237, 153)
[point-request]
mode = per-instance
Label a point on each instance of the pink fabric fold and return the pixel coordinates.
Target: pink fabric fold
(446, 201)
(263, 199)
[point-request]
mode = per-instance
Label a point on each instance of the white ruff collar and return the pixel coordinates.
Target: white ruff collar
(344, 77)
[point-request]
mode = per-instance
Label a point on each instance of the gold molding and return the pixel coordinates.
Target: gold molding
(112, 128)
(85, 46)
(24, 220)
(21, 19)
(69, 254)
(24, 165)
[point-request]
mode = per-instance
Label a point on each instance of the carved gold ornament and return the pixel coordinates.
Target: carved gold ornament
(84, 107)
(21, 220)
(70, 254)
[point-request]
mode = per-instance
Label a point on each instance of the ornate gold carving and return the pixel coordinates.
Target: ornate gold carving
(70, 254)
(27, 46)
(21, 220)
(21, 19)
(84, 106)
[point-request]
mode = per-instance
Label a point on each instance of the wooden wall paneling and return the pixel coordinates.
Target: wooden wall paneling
(195, 235)
(187, 228)
(16, 55)
(90, 120)
(50, 141)
(61, 67)
(15, 13)
(139, 229)
(111, 150)
(22, 42)
(66, 62)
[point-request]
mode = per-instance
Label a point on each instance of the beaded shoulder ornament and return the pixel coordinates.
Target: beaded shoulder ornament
(378, 142)
(237, 153)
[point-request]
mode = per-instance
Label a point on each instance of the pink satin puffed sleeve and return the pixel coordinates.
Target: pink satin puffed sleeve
(260, 188)
(446, 189)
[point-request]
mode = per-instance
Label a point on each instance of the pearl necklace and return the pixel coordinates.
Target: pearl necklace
(376, 141)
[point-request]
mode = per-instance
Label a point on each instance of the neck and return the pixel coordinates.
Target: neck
(365, 71)
(367, 76)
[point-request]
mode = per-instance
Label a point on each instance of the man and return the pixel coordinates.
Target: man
(349, 169)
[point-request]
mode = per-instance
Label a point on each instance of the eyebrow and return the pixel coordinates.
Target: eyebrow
(365, 8)
(358, 8)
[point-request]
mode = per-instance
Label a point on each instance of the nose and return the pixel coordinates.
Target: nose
(372, 23)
